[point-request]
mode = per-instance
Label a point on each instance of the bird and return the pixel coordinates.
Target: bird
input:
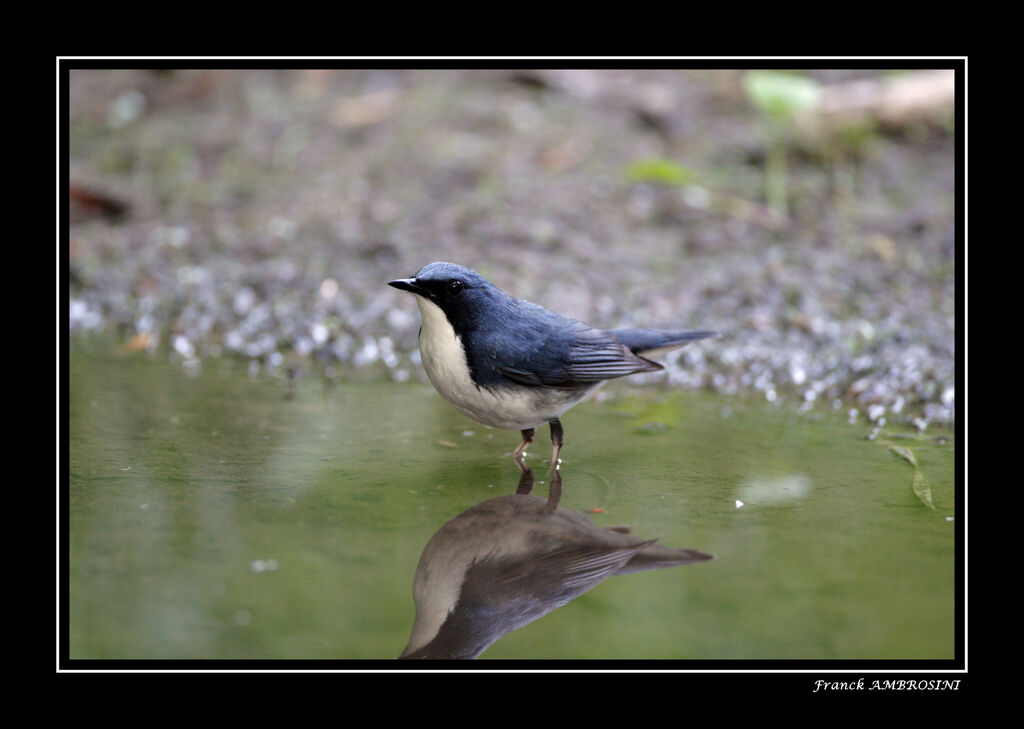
(512, 559)
(512, 364)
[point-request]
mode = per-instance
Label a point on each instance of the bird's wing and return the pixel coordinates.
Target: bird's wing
(586, 565)
(568, 568)
(588, 357)
(597, 357)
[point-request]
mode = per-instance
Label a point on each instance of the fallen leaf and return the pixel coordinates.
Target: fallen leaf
(922, 489)
(904, 453)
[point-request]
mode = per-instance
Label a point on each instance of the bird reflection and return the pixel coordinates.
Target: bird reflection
(510, 560)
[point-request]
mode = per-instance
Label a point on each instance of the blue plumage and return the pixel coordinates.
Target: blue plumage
(510, 363)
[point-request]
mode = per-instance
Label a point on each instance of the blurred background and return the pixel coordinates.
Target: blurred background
(258, 214)
(248, 476)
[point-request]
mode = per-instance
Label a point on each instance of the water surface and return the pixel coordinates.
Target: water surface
(212, 514)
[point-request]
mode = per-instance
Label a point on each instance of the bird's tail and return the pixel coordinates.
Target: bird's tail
(655, 556)
(652, 342)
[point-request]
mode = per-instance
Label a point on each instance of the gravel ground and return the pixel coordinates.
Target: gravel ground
(259, 214)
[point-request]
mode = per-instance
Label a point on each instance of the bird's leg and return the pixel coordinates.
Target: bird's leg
(556, 441)
(554, 492)
(527, 440)
(521, 464)
(525, 478)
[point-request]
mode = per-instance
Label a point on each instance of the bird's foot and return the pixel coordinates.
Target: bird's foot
(525, 479)
(520, 451)
(556, 462)
(520, 463)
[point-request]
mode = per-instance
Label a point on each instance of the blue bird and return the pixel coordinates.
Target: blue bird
(512, 364)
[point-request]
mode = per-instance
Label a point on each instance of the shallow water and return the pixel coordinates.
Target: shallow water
(211, 514)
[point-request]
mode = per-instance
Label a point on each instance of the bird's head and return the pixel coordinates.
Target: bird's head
(460, 292)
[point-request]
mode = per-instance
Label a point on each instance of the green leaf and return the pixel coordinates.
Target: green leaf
(781, 95)
(904, 453)
(663, 171)
(921, 488)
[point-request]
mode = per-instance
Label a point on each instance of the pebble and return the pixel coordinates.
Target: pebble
(291, 259)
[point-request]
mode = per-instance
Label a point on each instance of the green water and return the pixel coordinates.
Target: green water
(212, 515)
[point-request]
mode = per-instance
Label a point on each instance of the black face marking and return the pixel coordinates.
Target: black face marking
(459, 292)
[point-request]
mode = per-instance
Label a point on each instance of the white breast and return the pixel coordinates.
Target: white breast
(444, 359)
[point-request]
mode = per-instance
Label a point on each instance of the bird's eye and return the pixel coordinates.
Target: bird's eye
(455, 287)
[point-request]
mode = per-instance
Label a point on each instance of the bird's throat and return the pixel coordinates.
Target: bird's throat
(444, 357)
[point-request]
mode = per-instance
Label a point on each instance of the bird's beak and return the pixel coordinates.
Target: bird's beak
(408, 284)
